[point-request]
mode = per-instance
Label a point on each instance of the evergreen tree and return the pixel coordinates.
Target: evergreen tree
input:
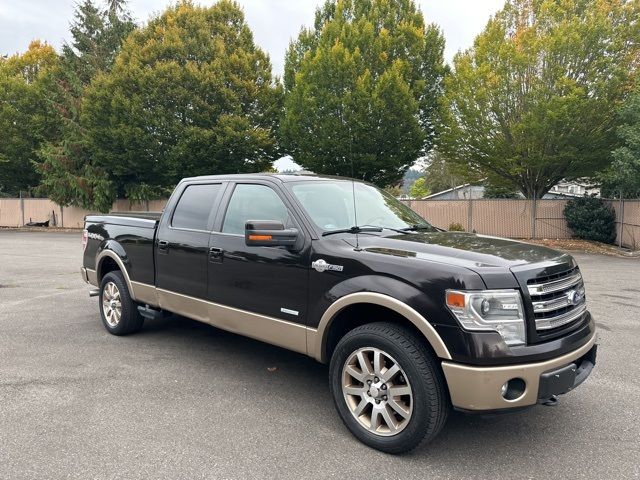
(69, 176)
(362, 90)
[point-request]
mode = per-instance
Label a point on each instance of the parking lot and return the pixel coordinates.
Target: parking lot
(186, 400)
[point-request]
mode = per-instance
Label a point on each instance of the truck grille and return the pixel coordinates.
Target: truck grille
(558, 300)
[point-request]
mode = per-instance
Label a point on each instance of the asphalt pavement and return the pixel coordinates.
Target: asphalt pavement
(186, 400)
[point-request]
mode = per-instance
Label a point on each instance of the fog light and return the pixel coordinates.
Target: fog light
(513, 389)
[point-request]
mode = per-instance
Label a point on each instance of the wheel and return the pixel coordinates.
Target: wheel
(388, 388)
(118, 311)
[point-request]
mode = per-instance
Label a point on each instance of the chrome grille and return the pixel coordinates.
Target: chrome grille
(558, 300)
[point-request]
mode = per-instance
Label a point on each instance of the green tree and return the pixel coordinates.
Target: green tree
(362, 90)
(189, 94)
(419, 188)
(623, 177)
(97, 36)
(534, 100)
(69, 176)
(27, 116)
(442, 175)
(499, 190)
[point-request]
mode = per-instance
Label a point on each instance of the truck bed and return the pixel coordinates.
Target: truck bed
(132, 219)
(133, 234)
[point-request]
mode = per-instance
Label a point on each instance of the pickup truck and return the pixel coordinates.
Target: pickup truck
(412, 320)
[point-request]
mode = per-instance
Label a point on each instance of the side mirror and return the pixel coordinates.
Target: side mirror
(269, 233)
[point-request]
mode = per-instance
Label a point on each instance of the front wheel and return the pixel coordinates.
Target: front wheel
(388, 388)
(118, 311)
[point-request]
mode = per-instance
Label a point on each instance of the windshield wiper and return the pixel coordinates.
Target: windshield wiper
(416, 227)
(399, 230)
(353, 230)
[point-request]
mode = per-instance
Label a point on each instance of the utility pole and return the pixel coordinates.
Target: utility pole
(21, 208)
(621, 213)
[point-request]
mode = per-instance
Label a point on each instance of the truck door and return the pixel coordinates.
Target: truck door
(182, 241)
(270, 281)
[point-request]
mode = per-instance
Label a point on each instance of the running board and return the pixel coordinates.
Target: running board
(150, 313)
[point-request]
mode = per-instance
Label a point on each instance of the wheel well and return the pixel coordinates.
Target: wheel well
(107, 265)
(359, 314)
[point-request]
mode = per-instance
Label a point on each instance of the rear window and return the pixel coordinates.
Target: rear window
(195, 206)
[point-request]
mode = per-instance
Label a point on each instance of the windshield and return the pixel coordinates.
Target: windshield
(330, 206)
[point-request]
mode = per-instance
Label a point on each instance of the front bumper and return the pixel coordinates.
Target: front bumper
(479, 388)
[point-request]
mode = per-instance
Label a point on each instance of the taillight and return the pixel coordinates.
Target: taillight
(85, 239)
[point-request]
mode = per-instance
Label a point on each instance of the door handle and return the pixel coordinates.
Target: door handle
(163, 246)
(216, 254)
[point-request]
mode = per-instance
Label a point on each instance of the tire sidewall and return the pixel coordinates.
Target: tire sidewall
(125, 300)
(423, 402)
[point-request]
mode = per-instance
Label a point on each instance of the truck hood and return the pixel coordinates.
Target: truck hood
(464, 249)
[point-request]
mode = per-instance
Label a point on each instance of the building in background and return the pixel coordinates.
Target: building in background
(469, 191)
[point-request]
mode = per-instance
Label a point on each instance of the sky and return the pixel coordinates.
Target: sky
(274, 23)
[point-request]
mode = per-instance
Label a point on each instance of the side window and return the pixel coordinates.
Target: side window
(253, 202)
(194, 206)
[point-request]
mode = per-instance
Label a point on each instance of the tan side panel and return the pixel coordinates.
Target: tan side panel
(92, 277)
(261, 327)
(144, 293)
(478, 388)
(317, 338)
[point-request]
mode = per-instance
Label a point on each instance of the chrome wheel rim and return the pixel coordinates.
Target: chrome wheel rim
(377, 391)
(111, 304)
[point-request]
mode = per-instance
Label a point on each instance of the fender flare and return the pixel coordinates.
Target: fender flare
(317, 339)
(113, 255)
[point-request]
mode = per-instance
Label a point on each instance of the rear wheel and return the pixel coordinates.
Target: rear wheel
(118, 311)
(388, 388)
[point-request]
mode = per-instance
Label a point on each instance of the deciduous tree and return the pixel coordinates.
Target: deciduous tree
(623, 177)
(27, 116)
(534, 100)
(419, 188)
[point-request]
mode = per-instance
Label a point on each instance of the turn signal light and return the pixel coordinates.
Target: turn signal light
(260, 237)
(455, 300)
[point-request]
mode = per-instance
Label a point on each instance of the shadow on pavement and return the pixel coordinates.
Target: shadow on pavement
(258, 363)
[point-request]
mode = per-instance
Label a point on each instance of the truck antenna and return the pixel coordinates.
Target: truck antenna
(353, 191)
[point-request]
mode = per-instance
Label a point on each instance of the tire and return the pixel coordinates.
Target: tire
(118, 311)
(413, 394)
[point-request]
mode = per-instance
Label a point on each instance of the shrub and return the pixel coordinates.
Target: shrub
(591, 219)
(456, 227)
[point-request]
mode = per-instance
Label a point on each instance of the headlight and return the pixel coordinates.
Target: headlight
(490, 310)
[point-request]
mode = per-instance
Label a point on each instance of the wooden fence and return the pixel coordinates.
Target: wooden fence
(16, 212)
(499, 217)
(523, 218)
